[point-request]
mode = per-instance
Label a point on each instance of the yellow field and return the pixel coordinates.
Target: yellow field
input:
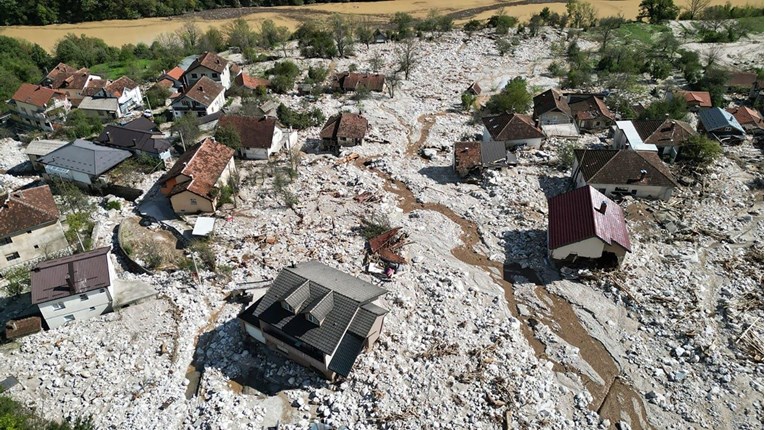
(119, 32)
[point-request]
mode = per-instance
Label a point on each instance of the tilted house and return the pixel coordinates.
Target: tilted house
(668, 135)
(318, 317)
(584, 223)
(138, 136)
(114, 100)
(590, 111)
(205, 97)
(29, 227)
(213, 67)
(616, 172)
(748, 118)
(39, 107)
(83, 161)
(343, 129)
(626, 136)
(721, 125)
(260, 137)
(352, 81)
(195, 180)
(74, 288)
(513, 130)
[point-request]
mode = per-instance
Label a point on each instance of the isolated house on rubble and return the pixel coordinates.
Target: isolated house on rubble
(343, 129)
(318, 317)
(584, 223)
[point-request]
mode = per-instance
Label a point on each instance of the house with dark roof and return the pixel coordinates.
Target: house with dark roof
(590, 112)
(668, 136)
(615, 172)
(73, 288)
(39, 148)
(584, 223)
(748, 118)
(721, 125)
(134, 137)
(29, 227)
(39, 107)
(203, 98)
(82, 161)
(513, 130)
(343, 129)
(194, 182)
(213, 67)
(317, 316)
(741, 82)
(472, 158)
(352, 81)
(261, 137)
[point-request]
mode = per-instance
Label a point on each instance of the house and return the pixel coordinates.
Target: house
(172, 79)
(615, 172)
(29, 227)
(343, 129)
(39, 107)
(73, 288)
(552, 113)
(590, 111)
(317, 316)
(72, 82)
(379, 36)
(627, 137)
(82, 161)
(38, 148)
(741, 82)
(213, 67)
(695, 99)
(474, 89)
(205, 97)
(195, 180)
(513, 130)
(260, 137)
(474, 157)
(584, 223)
(749, 119)
(352, 81)
(721, 125)
(252, 83)
(668, 135)
(134, 137)
(114, 100)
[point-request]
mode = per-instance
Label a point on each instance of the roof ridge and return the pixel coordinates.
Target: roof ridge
(614, 153)
(654, 166)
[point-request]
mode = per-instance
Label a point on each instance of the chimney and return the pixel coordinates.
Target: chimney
(133, 142)
(603, 206)
(108, 137)
(643, 172)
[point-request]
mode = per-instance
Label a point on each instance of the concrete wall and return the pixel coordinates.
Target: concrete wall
(69, 175)
(641, 191)
(374, 333)
(190, 203)
(77, 307)
(32, 245)
(254, 332)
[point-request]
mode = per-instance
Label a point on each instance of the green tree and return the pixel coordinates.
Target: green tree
(187, 126)
(403, 23)
(674, 107)
(229, 136)
(515, 97)
(472, 25)
(213, 40)
(189, 34)
(606, 27)
(409, 54)
(81, 125)
(503, 46)
(700, 150)
(83, 51)
(364, 32)
(581, 14)
(239, 33)
(467, 99)
(315, 42)
(502, 23)
(157, 95)
(342, 33)
(715, 81)
(658, 10)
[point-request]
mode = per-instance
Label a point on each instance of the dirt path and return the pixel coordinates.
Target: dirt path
(426, 121)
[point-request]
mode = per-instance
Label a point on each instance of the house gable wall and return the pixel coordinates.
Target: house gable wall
(190, 203)
(42, 241)
(98, 302)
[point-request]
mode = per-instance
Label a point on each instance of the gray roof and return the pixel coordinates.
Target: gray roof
(43, 147)
(86, 157)
(322, 307)
(716, 118)
(493, 152)
(105, 104)
(365, 319)
(133, 139)
(349, 295)
(347, 352)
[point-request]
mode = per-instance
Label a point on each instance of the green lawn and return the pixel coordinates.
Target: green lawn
(135, 69)
(752, 24)
(640, 32)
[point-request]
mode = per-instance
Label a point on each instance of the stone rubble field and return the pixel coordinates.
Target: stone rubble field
(658, 342)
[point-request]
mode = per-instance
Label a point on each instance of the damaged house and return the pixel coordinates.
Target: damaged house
(513, 130)
(353, 81)
(317, 316)
(261, 137)
(472, 158)
(343, 129)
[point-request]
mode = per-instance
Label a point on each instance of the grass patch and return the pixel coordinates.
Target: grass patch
(140, 69)
(751, 24)
(640, 32)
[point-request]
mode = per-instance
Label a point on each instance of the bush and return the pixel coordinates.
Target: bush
(228, 135)
(299, 120)
(317, 74)
(556, 69)
(374, 226)
(15, 416)
(472, 25)
(700, 151)
(81, 125)
(17, 280)
(467, 100)
(502, 23)
(515, 97)
(205, 253)
(157, 95)
(113, 204)
(566, 155)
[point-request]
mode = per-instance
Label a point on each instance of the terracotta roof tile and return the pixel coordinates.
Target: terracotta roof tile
(251, 82)
(35, 95)
(511, 126)
(117, 87)
(204, 91)
(742, 79)
(61, 68)
(203, 163)
(697, 98)
(467, 156)
(253, 132)
(590, 107)
(747, 117)
(351, 81)
(94, 86)
(26, 209)
(175, 73)
(345, 125)
(75, 80)
(209, 60)
(670, 132)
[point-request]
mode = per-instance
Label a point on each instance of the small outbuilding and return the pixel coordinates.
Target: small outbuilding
(343, 129)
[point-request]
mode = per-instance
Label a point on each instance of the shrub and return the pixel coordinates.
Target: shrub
(17, 280)
(566, 155)
(467, 100)
(157, 95)
(299, 120)
(205, 253)
(472, 25)
(700, 151)
(113, 204)
(374, 226)
(515, 97)
(317, 74)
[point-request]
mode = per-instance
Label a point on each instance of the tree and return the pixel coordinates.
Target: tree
(238, 33)
(364, 33)
(317, 74)
(501, 22)
(403, 23)
(690, 64)
(213, 41)
(315, 42)
(392, 82)
(156, 95)
(535, 22)
(694, 7)
(81, 125)
(581, 14)
(515, 97)
(467, 99)
(83, 51)
(285, 73)
(228, 135)
(376, 61)
(187, 127)
(674, 108)
(606, 27)
(472, 25)
(189, 34)
(658, 10)
(408, 54)
(503, 46)
(715, 81)
(342, 33)
(700, 150)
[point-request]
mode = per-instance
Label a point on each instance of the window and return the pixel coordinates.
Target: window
(287, 306)
(58, 306)
(92, 308)
(12, 256)
(84, 297)
(193, 76)
(215, 75)
(5, 241)
(727, 129)
(193, 201)
(312, 319)
(633, 192)
(68, 318)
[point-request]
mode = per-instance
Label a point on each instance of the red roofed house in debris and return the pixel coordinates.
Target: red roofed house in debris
(513, 130)
(66, 79)
(352, 81)
(29, 226)
(343, 129)
(39, 107)
(194, 182)
(203, 98)
(584, 223)
(212, 66)
(590, 111)
(749, 118)
(694, 99)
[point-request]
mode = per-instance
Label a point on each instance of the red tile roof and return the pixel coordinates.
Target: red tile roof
(117, 87)
(345, 125)
(575, 216)
(210, 60)
(94, 86)
(669, 132)
(253, 132)
(75, 80)
(251, 82)
(467, 156)
(27, 209)
(511, 126)
(204, 91)
(175, 73)
(623, 167)
(67, 276)
(61, 68)
(742, 79)
(351, 81)
(35, 94)
(746, 116)
(203, 163)
(697, 98)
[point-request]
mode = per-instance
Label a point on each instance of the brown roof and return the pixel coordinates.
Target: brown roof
(117, 87)
(742, 79)
(697, 98)
(511, 126)
(61, 68)
(94, 86)
(747, 117)
(623, 167)
(550, 100)
(575, 216)
(166, 83)
(204, 91)
(251, 82)
(467, 156)
(590, 108)
(67, 276)
(35, 94)
(351, 81)
(26, 209)
(474, 88)
(203, 163)
(210, 60)
(669, 132)
(175, 73)
(74, 80)
(253, 132)
(345, 125)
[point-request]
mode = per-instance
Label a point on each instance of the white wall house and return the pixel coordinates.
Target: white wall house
(212, 66)
(39, 107)
(512, 130)
(204, 98)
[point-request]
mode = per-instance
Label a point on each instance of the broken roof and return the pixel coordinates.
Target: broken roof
(35, 95)
(94, 86)
(575, 216)
(75, 80)
(61, 68)
(746, 116)
(511, 126)
(550, 100)
(203, 163)
(209, 60)
(589, 107)
(253, 132)
(670, 132)
(26, 209)
(352, 81)
(467, 156)
(345, 125)
(86, 157)
(742, 79)
(67, 276)
(204, 91)
(623, 167)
